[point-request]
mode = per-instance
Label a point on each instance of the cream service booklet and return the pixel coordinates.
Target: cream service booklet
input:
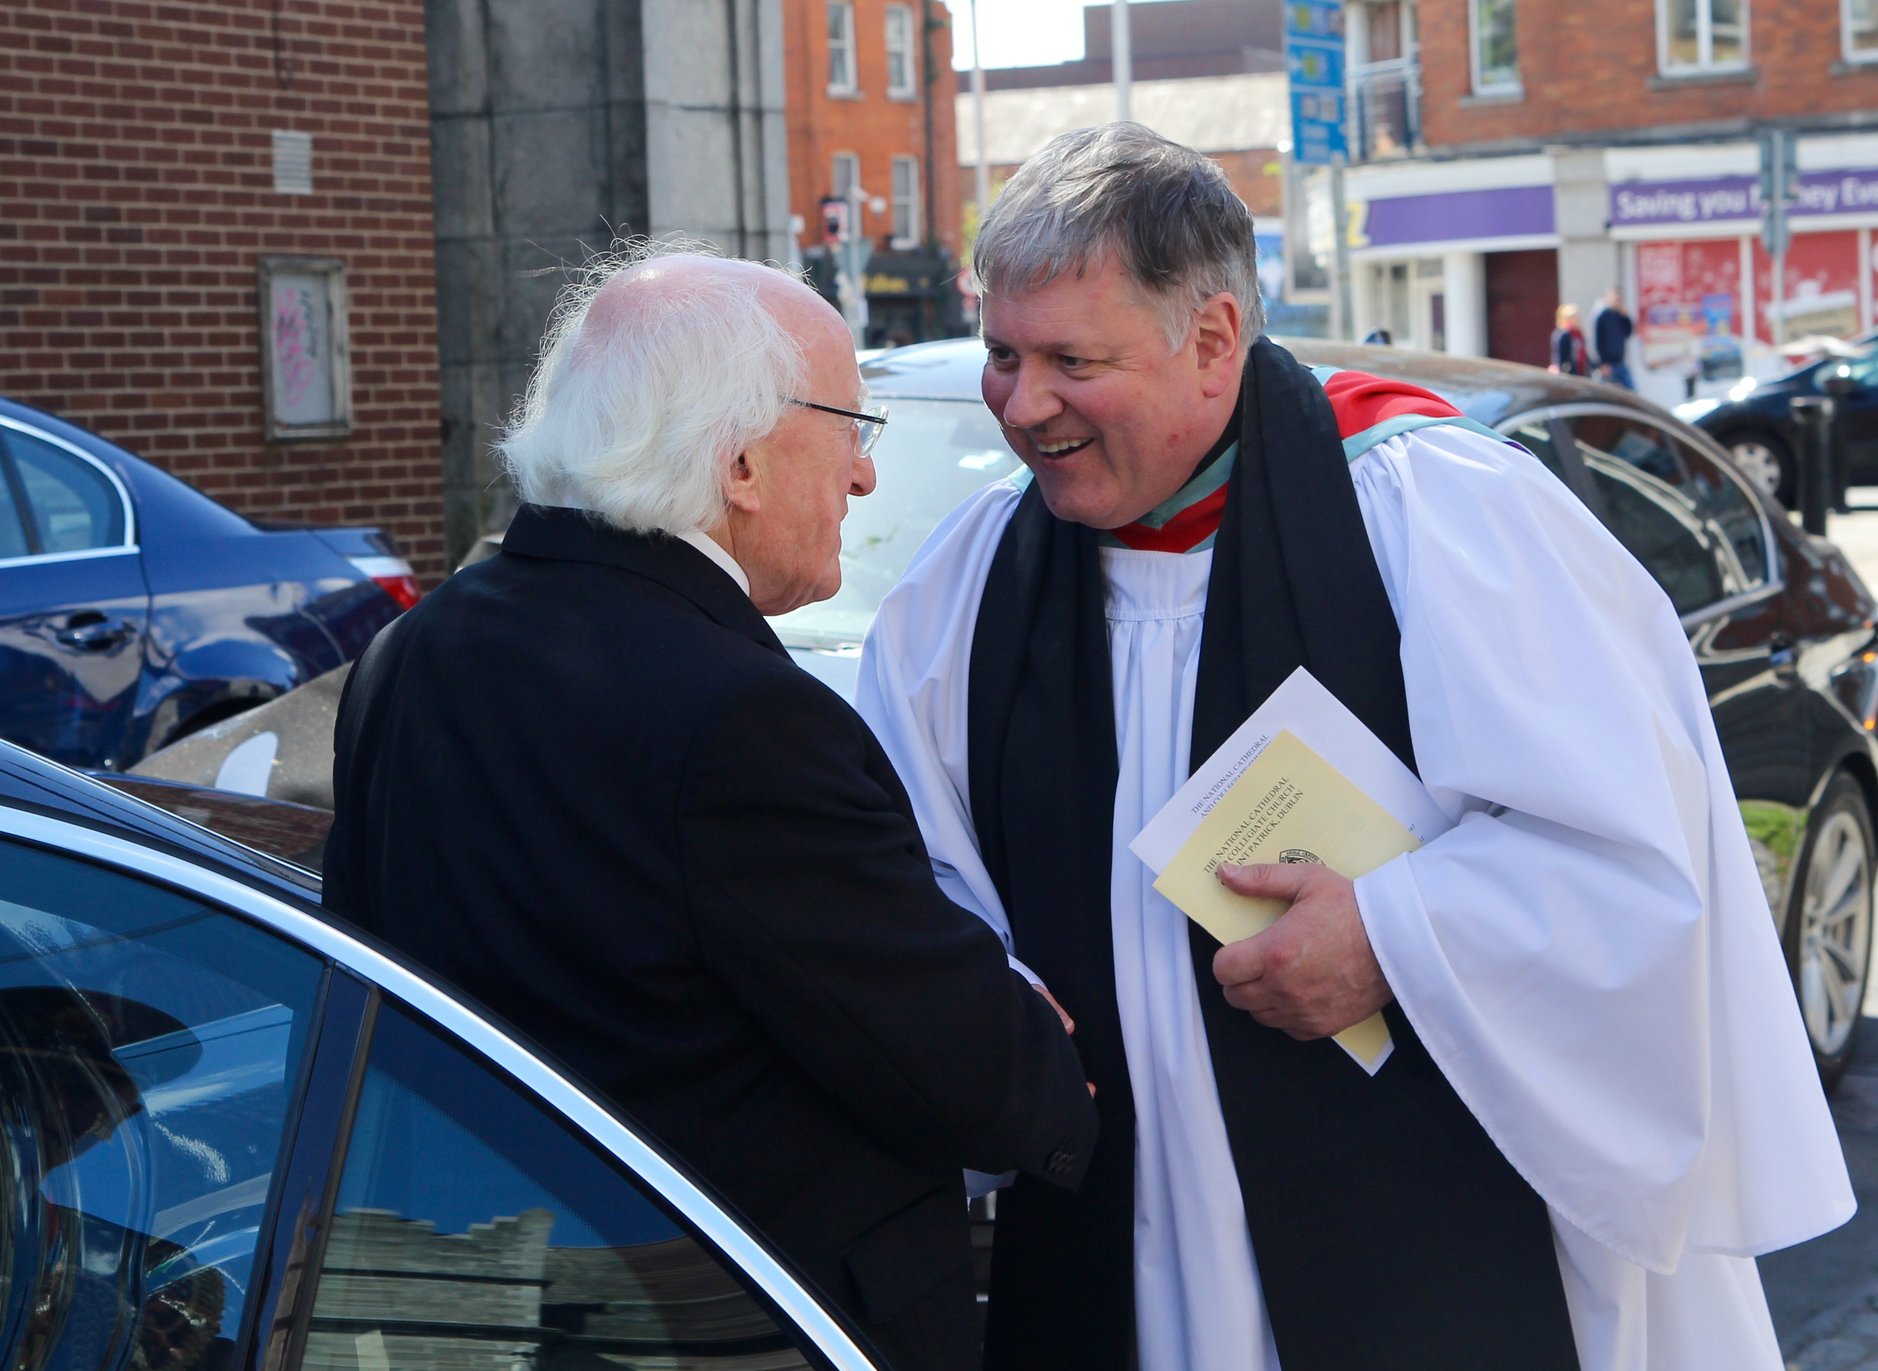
(1302, 780)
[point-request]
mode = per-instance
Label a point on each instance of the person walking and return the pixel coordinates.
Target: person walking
(1568, 344)
(1610, 335)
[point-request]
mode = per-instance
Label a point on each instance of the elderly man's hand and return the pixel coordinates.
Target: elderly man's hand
(1313, 972)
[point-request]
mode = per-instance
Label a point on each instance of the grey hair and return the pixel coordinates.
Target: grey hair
(1166, 213)
(650, 382)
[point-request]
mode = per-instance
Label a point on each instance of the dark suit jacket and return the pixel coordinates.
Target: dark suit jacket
(584, 782)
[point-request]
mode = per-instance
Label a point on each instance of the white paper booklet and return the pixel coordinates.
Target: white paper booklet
(1321, 722)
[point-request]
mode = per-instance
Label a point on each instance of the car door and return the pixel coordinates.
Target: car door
(1697, 531)
(231, 1135)
(74, 605)
(1858, 416)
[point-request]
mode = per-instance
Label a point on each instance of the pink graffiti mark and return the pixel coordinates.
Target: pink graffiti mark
(295, 366)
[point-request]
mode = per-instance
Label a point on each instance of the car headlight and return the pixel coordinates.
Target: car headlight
(1689, 411)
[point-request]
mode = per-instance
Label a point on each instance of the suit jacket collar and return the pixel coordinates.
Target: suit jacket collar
(574, 535)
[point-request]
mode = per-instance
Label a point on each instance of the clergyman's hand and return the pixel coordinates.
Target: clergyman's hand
(1313, 973)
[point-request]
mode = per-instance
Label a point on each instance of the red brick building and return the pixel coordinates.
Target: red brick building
(868, 101)
(1511, 155)
(143, 183)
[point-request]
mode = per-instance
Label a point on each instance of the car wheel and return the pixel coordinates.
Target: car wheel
(1766, 461)
(1829, 926)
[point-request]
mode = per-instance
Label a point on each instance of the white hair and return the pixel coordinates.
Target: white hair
(653, 376)
(1165, 213)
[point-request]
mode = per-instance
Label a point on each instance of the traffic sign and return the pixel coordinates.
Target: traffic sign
(1314, 60)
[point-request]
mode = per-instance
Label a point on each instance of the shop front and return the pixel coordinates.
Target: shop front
(1710, 304)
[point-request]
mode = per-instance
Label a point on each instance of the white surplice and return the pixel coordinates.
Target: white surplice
(1588, 954)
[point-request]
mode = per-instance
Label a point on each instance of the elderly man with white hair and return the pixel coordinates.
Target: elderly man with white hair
(584, 781)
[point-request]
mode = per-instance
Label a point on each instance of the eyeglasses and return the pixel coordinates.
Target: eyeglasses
(874, 417)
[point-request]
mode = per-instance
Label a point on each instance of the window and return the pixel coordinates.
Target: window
(844, 183)
(906, 202)
(1861, 30)
(1496, 46)
(841, 74)
(148, 1049)
(1690, 524)
(1696, 35)
(473, 1228)
(899, 51)
(72, 506)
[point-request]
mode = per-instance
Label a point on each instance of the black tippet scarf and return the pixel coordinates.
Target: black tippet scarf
(1388, 1229)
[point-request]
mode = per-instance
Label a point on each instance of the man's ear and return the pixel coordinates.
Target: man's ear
(740, 483)
(1216, 343)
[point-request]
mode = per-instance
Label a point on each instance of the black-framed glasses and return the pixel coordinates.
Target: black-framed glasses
(874, 417)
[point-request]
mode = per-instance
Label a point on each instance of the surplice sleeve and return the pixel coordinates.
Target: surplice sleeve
(1588, 953)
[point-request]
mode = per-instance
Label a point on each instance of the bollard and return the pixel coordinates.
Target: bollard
(1841, 386)
(1812, 415)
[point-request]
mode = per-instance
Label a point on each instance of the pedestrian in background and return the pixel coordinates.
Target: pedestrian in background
(1610, 334)
(1568, 344)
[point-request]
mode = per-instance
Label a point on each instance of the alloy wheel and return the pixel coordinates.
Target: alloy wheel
(1835, 930)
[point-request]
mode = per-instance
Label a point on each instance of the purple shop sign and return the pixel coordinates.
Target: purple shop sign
(1511, 212)
(1727, 199)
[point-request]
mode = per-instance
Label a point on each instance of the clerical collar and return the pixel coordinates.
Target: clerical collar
(1188, 520)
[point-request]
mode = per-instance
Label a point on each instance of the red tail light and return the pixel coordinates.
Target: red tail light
(403, 588)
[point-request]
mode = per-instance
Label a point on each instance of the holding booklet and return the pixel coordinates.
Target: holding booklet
(1301, 780)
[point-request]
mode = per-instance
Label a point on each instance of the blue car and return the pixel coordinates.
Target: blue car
(134, 609)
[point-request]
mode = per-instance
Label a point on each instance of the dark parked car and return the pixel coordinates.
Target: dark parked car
(134, 609)
(1755, 422)
(1780, 623)
(234, 1134)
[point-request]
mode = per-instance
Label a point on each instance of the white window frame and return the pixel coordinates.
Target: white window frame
(1475, 36)
(1705, 40)
(843, 71)
(906, 199)
(1852, 52)
(900, 46)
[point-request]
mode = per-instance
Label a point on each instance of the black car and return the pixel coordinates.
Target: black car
(1755, 421)
(134, 609)
(1780, 623)
(233, 1133)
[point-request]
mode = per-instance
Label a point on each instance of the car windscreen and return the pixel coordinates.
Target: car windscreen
(933, 454)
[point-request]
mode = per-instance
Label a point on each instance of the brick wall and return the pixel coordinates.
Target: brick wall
(136, 195)
(1592, 68)
(870, 123)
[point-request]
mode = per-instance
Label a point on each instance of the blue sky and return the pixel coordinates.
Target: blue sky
(1020, 33)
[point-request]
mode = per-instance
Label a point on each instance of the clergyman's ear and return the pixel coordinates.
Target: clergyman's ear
(1216, 342)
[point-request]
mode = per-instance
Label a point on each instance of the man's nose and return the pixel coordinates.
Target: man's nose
(864, 478)
(1033, 400)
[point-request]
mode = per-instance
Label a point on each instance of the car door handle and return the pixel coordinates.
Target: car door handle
(92, 632)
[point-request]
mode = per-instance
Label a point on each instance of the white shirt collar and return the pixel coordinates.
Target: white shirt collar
(713, 549)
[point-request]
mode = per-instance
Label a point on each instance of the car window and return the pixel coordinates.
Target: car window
(932, 455)
(1536, 438)
(469, 1219)
(72, 504)
(1688, 528)
(148, 1048)
(12, 528)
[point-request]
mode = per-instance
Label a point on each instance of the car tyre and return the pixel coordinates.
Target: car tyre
(1829, 924)
(1766, 460)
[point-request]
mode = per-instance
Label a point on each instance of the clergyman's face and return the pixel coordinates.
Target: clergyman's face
(1079, 374)
(806, 468)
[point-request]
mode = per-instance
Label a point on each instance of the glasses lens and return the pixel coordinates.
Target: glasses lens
(872, 428)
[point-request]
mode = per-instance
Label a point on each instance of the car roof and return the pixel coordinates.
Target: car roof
(31, 782)
(1481, 388)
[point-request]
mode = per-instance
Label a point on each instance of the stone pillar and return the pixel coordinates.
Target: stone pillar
(558, 126)
(1464, 281)
(1588, 261)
